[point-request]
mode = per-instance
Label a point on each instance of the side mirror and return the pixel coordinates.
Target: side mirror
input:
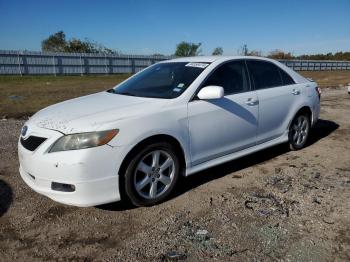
(211, 92)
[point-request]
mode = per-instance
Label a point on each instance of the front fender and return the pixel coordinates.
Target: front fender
(172, 122)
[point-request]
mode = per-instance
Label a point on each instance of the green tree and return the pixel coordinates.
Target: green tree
(218, 51)
(188, 49)
(79, 46)
(55, 42)
(345, 56)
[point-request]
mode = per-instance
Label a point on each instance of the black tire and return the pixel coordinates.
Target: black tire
(132, 174)
(299, 127)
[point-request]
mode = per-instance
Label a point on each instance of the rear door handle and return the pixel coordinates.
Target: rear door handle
(252, 101)
(295, 92)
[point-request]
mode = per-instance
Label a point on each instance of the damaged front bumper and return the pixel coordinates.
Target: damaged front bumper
(85, 177)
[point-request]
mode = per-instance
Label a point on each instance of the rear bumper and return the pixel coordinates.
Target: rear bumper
(316, 113)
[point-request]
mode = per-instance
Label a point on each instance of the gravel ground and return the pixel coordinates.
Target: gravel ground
(273, 205)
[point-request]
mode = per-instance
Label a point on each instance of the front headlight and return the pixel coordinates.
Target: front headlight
(83, 140)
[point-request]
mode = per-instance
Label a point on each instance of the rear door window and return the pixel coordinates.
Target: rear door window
(286, 78)
(264, 74)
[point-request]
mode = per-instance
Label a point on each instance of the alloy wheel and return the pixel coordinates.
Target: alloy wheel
(300, 130)
(154, 174)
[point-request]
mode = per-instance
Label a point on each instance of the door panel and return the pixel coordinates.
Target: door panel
(277, 94)
(274, 106)
(222, 126)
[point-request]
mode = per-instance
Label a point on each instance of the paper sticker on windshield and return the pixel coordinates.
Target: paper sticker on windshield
(181, 85)
(176, 89)
(199, 65)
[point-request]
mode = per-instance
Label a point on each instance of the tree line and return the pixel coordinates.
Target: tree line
(57, 42)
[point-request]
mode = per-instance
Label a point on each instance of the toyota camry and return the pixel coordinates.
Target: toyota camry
(174, 118)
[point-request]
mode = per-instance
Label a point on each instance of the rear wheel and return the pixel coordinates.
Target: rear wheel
(152, 174)
(299, 131)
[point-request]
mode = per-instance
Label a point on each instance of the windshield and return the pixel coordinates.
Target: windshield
(164, 80)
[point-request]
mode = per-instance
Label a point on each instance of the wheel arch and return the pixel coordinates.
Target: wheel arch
(154, 139)
(304, 109)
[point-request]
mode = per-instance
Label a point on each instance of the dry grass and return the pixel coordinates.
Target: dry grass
(329, 78)
(23, 96)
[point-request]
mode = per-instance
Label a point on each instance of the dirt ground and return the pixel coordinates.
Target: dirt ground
(273, 205)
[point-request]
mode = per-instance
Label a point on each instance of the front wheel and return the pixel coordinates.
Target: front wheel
(152, 174)
(299, 131)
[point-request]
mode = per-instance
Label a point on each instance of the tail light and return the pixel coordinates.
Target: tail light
(319, 92)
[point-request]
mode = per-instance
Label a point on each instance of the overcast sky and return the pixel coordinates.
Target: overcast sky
(151, 26)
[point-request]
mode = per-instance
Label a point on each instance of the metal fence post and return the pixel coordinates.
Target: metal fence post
(106, 69)
(19, 64)
(81, 66)
(54, 65)
(133, 68)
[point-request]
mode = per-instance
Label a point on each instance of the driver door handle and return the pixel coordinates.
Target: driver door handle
(252, 101)
(295, 92)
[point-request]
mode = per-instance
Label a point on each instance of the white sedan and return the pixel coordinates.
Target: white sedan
(174, 118)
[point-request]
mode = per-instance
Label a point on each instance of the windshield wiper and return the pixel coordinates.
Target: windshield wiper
(111, 91)
(124, 93)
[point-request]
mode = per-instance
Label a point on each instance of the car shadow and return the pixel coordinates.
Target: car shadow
(122, 205)
(6, 197)
(322, 129)
(236, 109)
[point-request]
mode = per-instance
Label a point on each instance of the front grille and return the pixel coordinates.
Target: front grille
(32, 142)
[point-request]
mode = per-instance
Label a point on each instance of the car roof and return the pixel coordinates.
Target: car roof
(211, 59)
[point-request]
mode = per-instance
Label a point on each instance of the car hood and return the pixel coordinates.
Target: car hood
(88, 113)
